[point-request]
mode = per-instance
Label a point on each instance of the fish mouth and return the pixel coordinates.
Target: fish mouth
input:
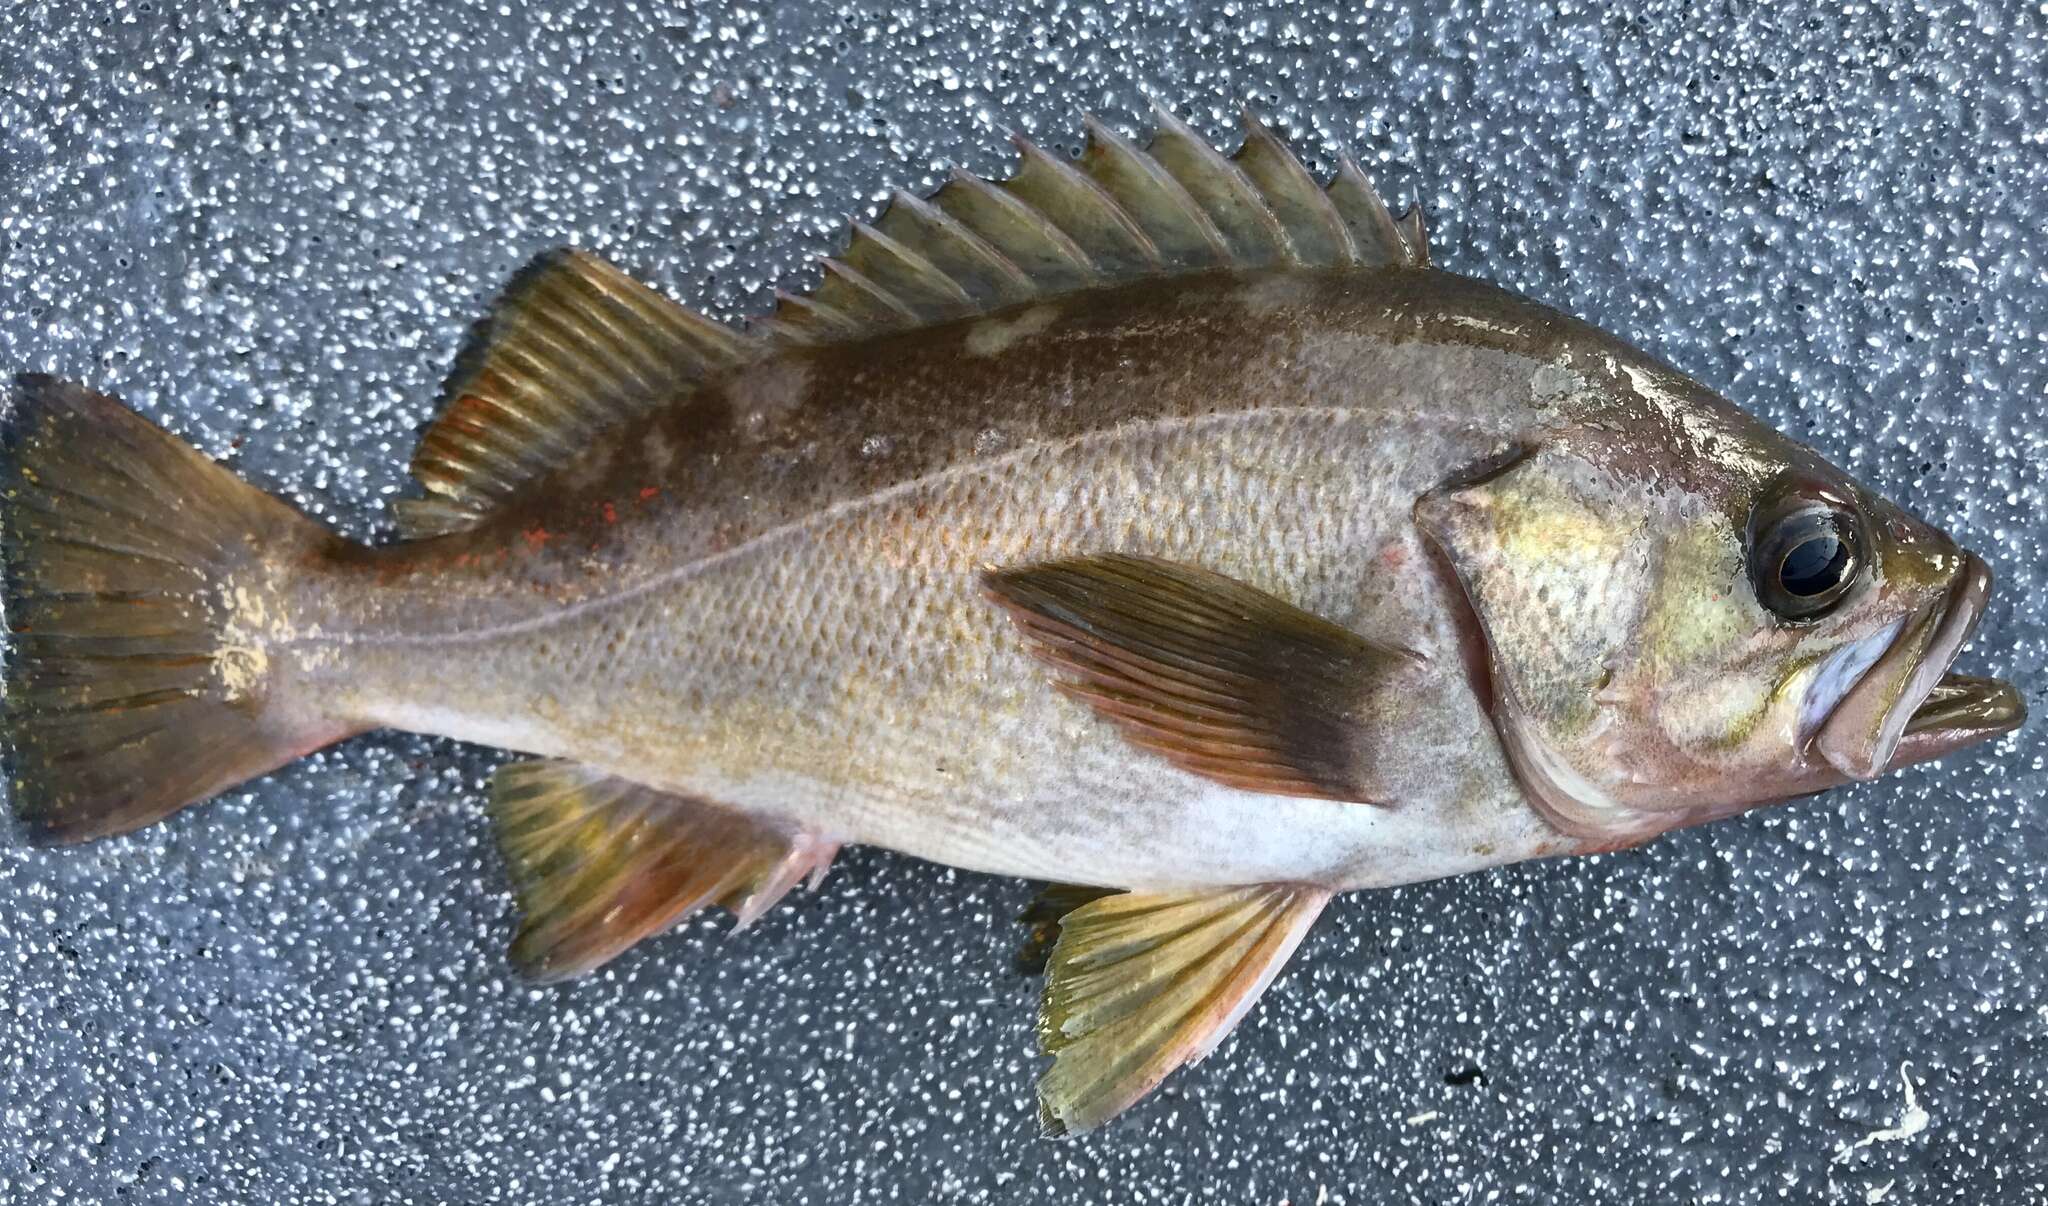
(1908, 707)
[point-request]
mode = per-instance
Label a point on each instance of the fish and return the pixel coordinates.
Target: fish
(1157, 524)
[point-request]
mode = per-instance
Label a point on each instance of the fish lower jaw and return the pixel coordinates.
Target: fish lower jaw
(1961, 711)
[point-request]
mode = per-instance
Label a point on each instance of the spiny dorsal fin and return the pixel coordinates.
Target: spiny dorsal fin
(572, 346)
(600, 863)
(1115, 214)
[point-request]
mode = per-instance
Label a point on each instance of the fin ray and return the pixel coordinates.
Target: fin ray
(572, 346)
(599, 863)
(1043, 915)
(1174, 220)
(1316, 235)
(127, 695)
(1140, 984)
(1221, 679)
(1117, 214)
(1084, 210)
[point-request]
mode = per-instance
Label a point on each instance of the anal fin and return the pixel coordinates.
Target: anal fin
(599, 863)
(1141, 983)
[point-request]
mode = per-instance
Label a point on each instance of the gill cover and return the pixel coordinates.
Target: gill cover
(1552, 554)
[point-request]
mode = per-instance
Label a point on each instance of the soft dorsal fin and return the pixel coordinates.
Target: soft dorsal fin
(572, 347)
(1116, 214)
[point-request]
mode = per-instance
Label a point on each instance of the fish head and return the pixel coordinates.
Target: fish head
(1677, 614)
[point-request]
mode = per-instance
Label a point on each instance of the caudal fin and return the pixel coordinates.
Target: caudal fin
(132, 565)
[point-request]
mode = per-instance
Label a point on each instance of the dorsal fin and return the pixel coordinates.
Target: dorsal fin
(1115, 214)
(572, 346)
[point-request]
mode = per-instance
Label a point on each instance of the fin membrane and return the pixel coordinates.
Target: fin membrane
(1140, 984)
(1117, 214)
(129, 695)
(1221, 679)
(599, 863)
(1043, 916)
(572, 347)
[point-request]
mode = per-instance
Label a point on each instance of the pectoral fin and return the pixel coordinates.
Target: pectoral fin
(1221, 679)
(1140, 984)
(600, 863)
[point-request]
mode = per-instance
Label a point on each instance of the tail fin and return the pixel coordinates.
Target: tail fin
(130, 563)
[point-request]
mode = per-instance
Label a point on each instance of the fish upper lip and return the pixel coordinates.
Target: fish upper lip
(1908, 707)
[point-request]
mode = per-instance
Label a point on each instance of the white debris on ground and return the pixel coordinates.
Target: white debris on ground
(1912, 1120)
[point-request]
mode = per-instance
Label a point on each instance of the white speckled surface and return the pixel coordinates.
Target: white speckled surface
(268, 223)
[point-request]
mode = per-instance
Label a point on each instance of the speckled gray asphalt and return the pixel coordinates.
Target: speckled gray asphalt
(268, 226)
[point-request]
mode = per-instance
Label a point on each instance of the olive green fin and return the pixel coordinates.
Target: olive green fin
(598, 863)
(136, 577)
(1116, 214)
(1043, 916)
(1139, 984)
(573, 346)
(1220, 678)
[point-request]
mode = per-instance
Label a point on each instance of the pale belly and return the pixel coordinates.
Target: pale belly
(847, 675)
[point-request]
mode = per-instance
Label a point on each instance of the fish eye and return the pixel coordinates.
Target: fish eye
(1805, 552)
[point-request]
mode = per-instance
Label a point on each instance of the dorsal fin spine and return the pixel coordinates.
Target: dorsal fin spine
(920, 283)
(882, 307)
(1082, 208)
(1002, 277)
(1416, 238)
(1025, 237)
(1318, 233)
(811, 318)
(1118, 214)
(1255, 235)
(575, 345)
(1374, 234)
(1176, 223)
(987, 275)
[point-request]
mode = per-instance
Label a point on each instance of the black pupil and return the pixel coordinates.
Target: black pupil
(1815, 565)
